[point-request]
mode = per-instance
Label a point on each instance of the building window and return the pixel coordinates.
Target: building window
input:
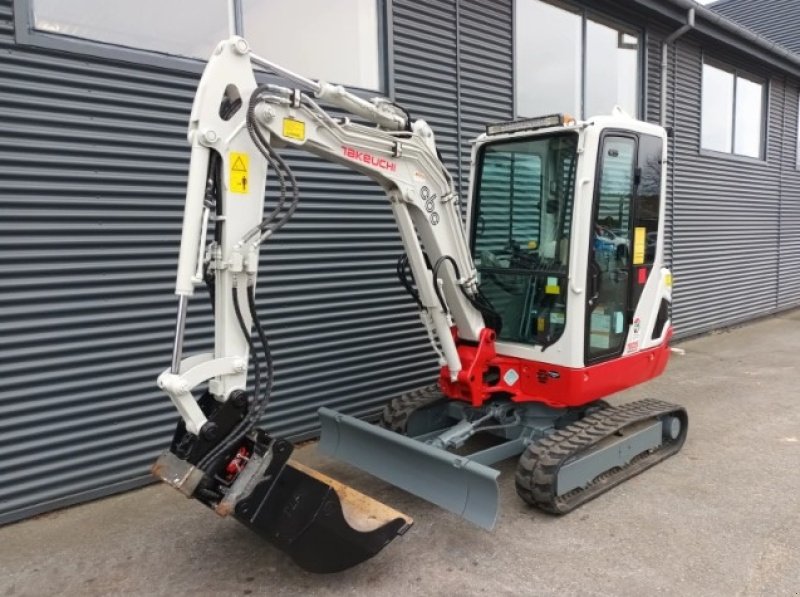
(612, 67)
(566, 60)
(280, 30)
(732, 112)
(335, 41)
(190, 28)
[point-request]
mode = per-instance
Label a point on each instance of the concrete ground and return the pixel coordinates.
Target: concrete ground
(720, 518)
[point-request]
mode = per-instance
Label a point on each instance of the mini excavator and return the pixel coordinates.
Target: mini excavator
(554, 296)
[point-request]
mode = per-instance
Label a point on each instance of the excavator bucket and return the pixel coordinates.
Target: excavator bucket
(322, 524)
(452, 482)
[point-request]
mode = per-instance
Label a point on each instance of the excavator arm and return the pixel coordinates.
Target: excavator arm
(398, 154)
(237, 125)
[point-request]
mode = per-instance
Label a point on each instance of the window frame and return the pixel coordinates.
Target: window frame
(26, 34)
(473, 214)
(585, 13)
(797, 131)
(589, 359)
(765, 92)
(474, 201)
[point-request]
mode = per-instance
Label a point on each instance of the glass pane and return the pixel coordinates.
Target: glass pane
(180, 27)
(648, 194)
(521, 223)
(334, 41)
(609, 267)
(717, 109)
(749, 98)
(547, 59)
(612, 69)
(510, 199)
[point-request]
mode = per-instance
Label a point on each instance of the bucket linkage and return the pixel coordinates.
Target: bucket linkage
(323, 525)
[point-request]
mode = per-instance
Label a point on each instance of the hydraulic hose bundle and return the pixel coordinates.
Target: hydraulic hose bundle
(270, 224)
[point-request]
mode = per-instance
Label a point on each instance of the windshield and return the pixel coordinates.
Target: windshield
(521, 226)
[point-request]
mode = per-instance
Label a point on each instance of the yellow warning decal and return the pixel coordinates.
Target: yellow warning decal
(552, 286)
(639, 236)
(294, 129)
(240, 167)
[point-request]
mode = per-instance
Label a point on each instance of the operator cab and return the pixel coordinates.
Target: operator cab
(531, 179)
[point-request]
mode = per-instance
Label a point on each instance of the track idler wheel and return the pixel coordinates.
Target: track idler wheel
(323, 525)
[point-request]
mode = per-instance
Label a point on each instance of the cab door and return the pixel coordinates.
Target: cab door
(609, 273)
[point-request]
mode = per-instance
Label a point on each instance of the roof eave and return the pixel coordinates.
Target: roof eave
(726, 31)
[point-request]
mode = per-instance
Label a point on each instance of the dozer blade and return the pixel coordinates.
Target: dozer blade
(323, 525)
(452, 482)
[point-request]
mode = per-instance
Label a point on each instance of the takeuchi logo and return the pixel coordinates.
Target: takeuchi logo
(368, 158)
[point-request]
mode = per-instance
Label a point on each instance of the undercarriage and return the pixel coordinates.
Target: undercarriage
(442, 450)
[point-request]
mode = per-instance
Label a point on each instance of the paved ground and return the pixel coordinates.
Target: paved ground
(720, 518)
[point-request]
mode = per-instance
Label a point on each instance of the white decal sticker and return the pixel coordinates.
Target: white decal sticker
(511, 377)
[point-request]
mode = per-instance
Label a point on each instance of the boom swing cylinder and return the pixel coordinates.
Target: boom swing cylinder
(514, 335)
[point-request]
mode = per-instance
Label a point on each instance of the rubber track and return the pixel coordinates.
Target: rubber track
(539, 465)
(397, 411)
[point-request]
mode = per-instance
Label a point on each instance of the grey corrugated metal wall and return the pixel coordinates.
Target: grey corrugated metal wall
(94, 162)
(729, 237)
(485, 72)
(732, 225)
(789, 259)
(92, 166)
(486, 93)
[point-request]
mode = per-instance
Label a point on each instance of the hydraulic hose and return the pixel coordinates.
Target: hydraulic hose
(260, 402)
(251, 302)
(261, 144)
(213, 200)
(247, 423)
(436, 288)
(408, 285)
(268, 224)
(492, 318)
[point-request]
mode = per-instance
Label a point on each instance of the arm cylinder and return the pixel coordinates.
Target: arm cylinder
(340, 97)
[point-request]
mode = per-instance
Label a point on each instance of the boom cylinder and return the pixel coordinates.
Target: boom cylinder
(180, 327)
